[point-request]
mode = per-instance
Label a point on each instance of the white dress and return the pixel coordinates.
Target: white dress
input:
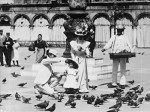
(71, 81)
(15, 52)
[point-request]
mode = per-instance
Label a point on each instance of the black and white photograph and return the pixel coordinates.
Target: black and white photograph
(74, 55)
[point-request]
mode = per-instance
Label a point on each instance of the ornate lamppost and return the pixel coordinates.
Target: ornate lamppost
(78, 21)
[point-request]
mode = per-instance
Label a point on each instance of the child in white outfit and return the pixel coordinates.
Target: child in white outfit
(15, 53)
(71, 84)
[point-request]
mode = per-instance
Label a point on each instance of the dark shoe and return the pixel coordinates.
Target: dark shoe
(110, 85)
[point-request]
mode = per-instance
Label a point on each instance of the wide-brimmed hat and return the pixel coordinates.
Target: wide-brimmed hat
(75, 65)
(54, 52)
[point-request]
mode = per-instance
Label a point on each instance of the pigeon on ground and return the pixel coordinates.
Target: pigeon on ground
(140, 100)
(131, 82)
(25, 100)
(93, 87)
(42, 105)
(22, 68)
(22, 84)
(4, 96)
(4, 80)
(71, 99)
(73, 104)
(39, 96)
(15, 75)
(78, 96)
(52, 108)
(139, 91)
(113, 110)
(135, 88)
(17, 96)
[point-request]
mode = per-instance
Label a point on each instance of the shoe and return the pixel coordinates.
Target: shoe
(110, 85)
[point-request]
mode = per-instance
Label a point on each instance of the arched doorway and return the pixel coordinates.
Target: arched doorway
(5, 25)
(58, 30)
(102, 29)
(22, 30)
(41, 26)
(143, 32)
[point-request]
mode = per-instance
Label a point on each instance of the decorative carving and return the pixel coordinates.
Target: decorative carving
(77, 4)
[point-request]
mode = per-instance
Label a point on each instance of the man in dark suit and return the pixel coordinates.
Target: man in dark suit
(2, 47)
(8, 49)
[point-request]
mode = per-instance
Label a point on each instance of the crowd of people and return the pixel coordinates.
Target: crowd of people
(9, 49)
(76, 73)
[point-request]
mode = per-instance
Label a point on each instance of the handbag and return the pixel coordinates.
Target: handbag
(31, 47)
(122, 54)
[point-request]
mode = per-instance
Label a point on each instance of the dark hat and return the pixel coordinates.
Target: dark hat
(75, 65)
(8, 34)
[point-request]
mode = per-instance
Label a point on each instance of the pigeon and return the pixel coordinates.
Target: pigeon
(93, 87)
(85, 97)
(140, 100)
(97, 101)
(52, 108)
(4, 80)
(42, 105)
(131, 82)
(78, 96)
(15, 75)
(89, 100)
(17, 96)
(135, 88)
(25, 58)
(73, 104)
(71, 99)
(39, 96)
(139, 91)
(136, 104)
(22, 68)
(25, 100)
(22, 84)
(116, 106)
(4, 96)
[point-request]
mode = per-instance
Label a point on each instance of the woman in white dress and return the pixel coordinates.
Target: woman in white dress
(46, 79)
(71, 71)
(79, 52)
(15, 53)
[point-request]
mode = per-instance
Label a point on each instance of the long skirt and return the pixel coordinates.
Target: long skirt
(83, 76)
(40, 54)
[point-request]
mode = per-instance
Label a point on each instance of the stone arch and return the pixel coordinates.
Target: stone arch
(56, 16)
(7, 22)
(142, 15)
(129, 16)
(19, 16)
(38, 15)
(101, 15)
(143, 28)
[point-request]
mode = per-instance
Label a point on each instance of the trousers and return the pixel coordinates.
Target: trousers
(116, 63)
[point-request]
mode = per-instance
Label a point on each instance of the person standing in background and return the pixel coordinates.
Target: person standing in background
(8, 49)
(15, 53)
(2, 47)
(41, 48)
(118, 43)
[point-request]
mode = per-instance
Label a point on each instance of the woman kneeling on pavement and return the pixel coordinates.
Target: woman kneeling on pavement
(46, 80)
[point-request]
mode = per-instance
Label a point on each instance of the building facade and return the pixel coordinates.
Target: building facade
(25, 19)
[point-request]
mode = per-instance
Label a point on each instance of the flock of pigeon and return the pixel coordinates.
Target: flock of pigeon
(132, 97)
